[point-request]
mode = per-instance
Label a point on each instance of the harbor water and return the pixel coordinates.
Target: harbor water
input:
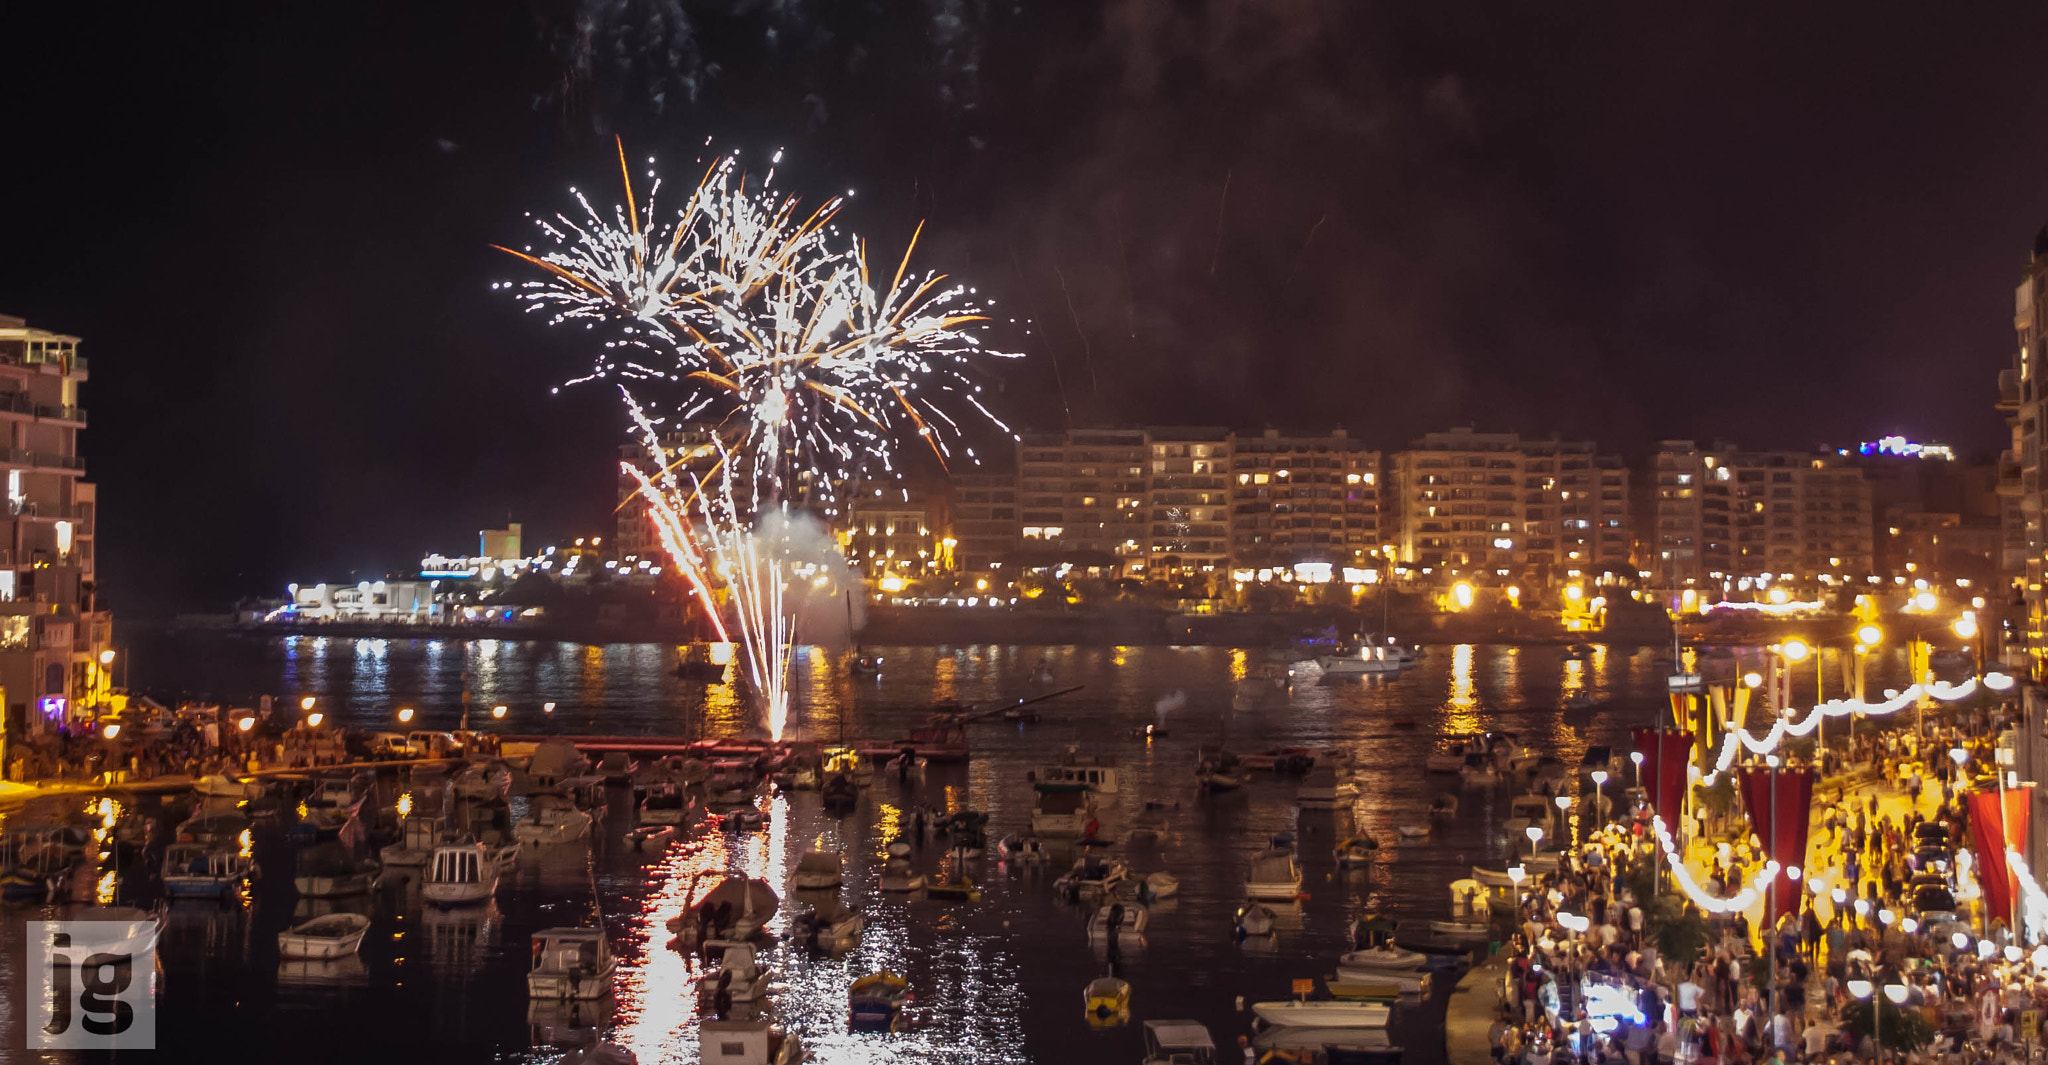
(995, 981)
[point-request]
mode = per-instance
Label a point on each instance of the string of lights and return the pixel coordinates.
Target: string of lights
(1894, 702)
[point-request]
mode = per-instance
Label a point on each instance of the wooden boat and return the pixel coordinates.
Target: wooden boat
(816, 871)
(738, 972)
(1357, 852)
(649, 838)
(1129, 919)
(1107, 1001)
(1297, 1014)
(1274, 876)
(460, 873)
(1255, 919)
(756, 1042)
(570, 963)
(551, 819)
(324, 938)
(1218, 771)
(875, 1002)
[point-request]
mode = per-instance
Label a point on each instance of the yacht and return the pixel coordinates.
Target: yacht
(570, 963)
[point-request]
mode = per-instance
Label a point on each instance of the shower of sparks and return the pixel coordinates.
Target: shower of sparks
(768, 325)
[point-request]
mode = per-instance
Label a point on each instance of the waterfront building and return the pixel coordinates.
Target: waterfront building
(1082, 497)
(1189, 501)
(2028, 410)
(1303, 501)
(55, 640)
(984, 507)
(1726, 521)
(900, 531)
(634, 539)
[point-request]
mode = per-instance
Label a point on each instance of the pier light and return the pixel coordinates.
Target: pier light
(1840, 896)
(1870, 636)
(1753, 679)
(1886, 917)
(1860, 989)
(1986, 948)
(1958, 755)
(1516, 874)
(498, 711)
(2012, 953)
(1897, 992)
(404, 714)
(1599, 778)
(106, 659)
(1909, 926)
(2041, 956)
(547, 708)
(307, 703)
(1862, 907)
(1966, 626)
(1636, 757)
(1535, 835)
(112, 731)
(1795, 649)
(315, 718)
(1564, 802)
(245, 724)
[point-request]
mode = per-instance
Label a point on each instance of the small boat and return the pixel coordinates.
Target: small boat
(1107, 1001)
(1178, 1043)
(1218, 771)
(1061, 811)
(1445, 805)
(329, 871)
(1384, 958)
(1298, 1014)
(828, 928)
(1255, 919)
(1160, 885)
(570, 963)
(900, 847)
(875, 1002)
(665, 804)
(1027, 850)
(899, 875)
(1364, 658)
(1581, 701)
(218, 786)
(744, 819)
(551, 819)
(1377, 985)
(648, 838)
(417, 837)
(603, 1054)
(617, 767)
(840, 793)
(865, 666)
(735, 908)
(1327, 1044)
(816, 871)
(203, 871)
(461, 874)
(756, 1042)
(1461, 931)
(482, 781)
(1091, 877)
(1150, 825)
(1097, 773)
(323, 938)
(1128, 920)
(1478, 772)
(1357, 852)
(738, 972)
(955, 889)
(1275, 875)
(1412, 831)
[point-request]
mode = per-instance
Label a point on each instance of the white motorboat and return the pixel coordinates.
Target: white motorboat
(328, 871)
(1367, 657)
(218, 786)
(665, 804)
(816, 871)
(899, 875)
(1385, 958)
(1377, 983)
(1161, 885)
(551, 819)
(417, 838)
(1178, 1043)
(747, 1043)
(460, 874)
(1129, 919)
(1255, 919)
(552, 762)
(570, 963)
(323, 938)
(1091, 877)
(1096, 773)
(480, 781)
(1061, 812)
(738, 972)
(1296, 1014)
(1412, 831)
(1275, 876)
(829, 927)
(1357, 852)
(650, 838)
(203, 871)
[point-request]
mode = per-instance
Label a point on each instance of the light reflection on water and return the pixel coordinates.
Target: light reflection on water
(998, 981)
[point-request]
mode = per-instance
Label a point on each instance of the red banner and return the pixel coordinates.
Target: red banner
(1780, 805)
(1992, 835)
(1662, 774)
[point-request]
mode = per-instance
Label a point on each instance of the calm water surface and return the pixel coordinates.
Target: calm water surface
(998, 981)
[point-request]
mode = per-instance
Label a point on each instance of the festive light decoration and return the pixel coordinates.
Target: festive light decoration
(1737, 739)
(1735, 903)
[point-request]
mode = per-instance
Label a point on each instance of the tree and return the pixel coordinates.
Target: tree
(1900, 1030)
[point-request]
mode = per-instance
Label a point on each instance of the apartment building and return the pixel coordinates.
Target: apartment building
(1188, 501)
(900, 530)
(2029, 410)
(1723, 515)
(1575, 518)
(1082, 495)
(1303, 499)
(691, 450)
(985, 526)
(52, 631)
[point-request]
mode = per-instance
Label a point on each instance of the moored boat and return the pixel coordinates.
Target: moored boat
(460, 873)
(551, 819)
(737, 973)
(1274, 876)
(650, 838)
(1297, 1014)
(1107, 1001)
(324, 938)
(1357, 852)
(816, 871)
(570, 963)
(875, 1002)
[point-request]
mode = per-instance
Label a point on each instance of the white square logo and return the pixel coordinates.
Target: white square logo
(91, 985)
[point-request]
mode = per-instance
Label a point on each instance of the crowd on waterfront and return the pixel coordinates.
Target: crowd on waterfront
(149, 742)
(1599, 973)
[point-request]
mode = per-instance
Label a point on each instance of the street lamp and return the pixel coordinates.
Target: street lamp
(314, 719)
(306, 703)
(1637, 758)
(1535, 833)
(498, 711)
(404, 714)
(112, 731)
(547, 708)
(245, 724)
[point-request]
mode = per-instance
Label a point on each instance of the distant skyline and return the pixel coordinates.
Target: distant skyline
(272, 226)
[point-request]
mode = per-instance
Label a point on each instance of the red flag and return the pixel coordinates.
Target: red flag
(1992, 837)
(1663, 772)
(1780, 821)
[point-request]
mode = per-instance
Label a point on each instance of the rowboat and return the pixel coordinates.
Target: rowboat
(1107, 1001)
(334, 935)
(1294, 1014)
(875, 1002)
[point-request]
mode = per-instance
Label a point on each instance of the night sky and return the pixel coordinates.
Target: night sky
(270, 223)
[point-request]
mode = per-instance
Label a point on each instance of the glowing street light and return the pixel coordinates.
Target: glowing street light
(112, 731)
(314, 719)
(1753, 679)
(498, 711)
(307, 703)
(1870, 636)
(106, 659)
(1966, 626)
(404, 714)
(1795, 649)
(245, 724)
(1462, 593)
(547, 708)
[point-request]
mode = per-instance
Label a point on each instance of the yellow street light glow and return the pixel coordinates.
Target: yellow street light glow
(1870, 635)
(1779, 596)
(497, 711)
(405, 713)
(1966, 626)
(1462, 592)
(315, 719)
(547, 708)
(1795, 650)
(1753, 679)
(306, 703)
(1574, 593)
(1925, 601)
(106, 658)
(245, 724)
(112, 731)
(892, 583)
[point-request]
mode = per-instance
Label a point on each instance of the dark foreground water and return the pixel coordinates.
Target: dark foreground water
(998, 981)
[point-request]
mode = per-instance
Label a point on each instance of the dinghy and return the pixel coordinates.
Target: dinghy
(1296, 1014)
(324, 938)
(650, 838)
(1107, 1001)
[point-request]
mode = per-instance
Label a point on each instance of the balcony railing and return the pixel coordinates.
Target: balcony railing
(20, 403)
(14, 456)
(47, 511)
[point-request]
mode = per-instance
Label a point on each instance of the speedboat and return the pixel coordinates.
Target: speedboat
(755, 1042)
(1128, 919)
(1275, 876)
(1092, 876)
(460, 874)
(1384, 958)
(665, 804)
(1107, 1001)
(570, 963)
(1255, 919)
(828, 928)
(1296, 1014)
(1357, 852)
(203, 871)
(875, 1002)
(899, 875)
(650, 838)
(737, 973)
(816, 871)
(329, 871)
(324, 938)
(550, 819)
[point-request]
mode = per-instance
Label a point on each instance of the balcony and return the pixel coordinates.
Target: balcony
(47, 511)
(20, 403)
(42, 460)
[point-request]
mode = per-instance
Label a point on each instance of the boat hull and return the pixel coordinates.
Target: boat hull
(1323, 1014)
(558, 987)
(335, 887)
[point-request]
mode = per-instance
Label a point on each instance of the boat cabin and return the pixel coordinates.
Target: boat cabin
(570, 950)
(461, 863)
(1082, 771)
(332, 793)
(1178, 1043)
(739, 1043)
